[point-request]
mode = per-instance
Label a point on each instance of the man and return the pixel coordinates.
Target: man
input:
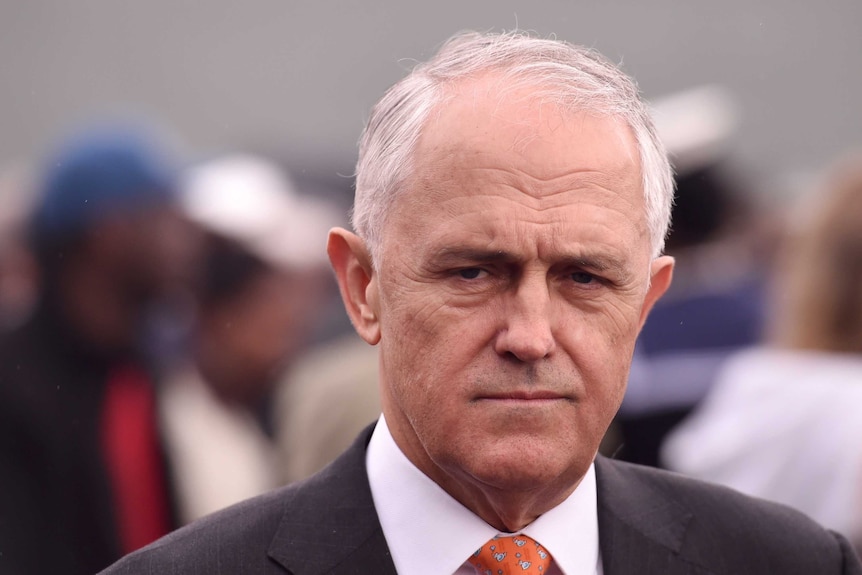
(82, 478)
(511, 206)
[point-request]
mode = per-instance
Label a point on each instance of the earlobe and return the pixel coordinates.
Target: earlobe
(661, 274)
(357, 282)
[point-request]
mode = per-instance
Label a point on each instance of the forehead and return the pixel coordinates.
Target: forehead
(490, 145)
(489, 118)
(504, 168)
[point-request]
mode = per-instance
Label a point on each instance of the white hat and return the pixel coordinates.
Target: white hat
(696, 125)
(252, 201)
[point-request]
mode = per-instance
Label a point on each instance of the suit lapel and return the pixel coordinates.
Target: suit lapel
(641, 530)
(330, 524)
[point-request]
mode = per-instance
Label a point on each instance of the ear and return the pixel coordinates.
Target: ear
(357, 282)
(661, 274)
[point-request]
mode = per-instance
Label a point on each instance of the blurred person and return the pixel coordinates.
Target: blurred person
(264, 279)
(715, 305)
(18, 276)
(784, 420)
(82, 475)
(512, 200)
(328, 396)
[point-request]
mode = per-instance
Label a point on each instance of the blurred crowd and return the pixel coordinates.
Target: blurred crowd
(171, 340)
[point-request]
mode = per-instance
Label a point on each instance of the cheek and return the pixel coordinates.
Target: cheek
(600, 345)
(411, 318)
(611, 323)
(436, 336)
(428, 353)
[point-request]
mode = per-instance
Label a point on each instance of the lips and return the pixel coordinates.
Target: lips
(524, 395)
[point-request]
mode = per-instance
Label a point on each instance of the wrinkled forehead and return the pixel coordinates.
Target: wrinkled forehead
(518, 158)
(484, 123)
(493, 115)
(485, 128)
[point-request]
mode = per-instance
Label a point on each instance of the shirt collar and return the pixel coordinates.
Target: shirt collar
(419, 519)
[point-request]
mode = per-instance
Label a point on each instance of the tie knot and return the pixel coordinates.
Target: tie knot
(509, 555)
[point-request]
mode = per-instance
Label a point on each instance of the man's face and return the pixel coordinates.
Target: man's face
(512, 285)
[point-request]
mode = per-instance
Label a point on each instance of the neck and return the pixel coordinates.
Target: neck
(507, 509)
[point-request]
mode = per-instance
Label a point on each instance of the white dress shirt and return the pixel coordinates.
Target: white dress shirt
(430, 533)
(218, 452)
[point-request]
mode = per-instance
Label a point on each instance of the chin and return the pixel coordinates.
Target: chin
(525, 472)
(519, 480)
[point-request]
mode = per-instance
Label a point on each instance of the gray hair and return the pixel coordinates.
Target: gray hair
(575, 77)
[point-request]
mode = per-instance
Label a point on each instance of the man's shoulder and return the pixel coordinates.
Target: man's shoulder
(233, 540)
(314, 521)
(708, 501)
(713, 525)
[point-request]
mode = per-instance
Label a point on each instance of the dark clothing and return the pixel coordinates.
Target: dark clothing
(682, 346)
(650, 522)
(56, 508)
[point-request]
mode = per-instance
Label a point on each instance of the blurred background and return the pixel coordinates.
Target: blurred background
(298, 78)
(168, 173)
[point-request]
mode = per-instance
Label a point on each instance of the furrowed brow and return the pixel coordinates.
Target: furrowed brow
(598, 263)
(459, 256)
(602, 264)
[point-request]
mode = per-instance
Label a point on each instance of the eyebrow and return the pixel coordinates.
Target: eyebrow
(601, 263)
(447, 256)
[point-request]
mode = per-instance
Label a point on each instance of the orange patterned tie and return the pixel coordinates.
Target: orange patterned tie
(510, 555)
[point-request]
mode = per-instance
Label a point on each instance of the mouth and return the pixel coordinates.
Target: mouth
(525, 396)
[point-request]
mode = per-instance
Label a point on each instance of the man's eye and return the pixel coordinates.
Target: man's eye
(583, 277)
(470, 273)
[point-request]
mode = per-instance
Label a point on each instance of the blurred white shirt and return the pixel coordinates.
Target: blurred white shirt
(219, 454)
(782, 425)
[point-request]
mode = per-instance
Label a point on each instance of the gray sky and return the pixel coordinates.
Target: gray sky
(299, 77)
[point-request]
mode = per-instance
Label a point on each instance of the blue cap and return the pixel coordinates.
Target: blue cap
(98, 173)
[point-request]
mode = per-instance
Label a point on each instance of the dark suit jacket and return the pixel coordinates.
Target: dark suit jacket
(650, 522)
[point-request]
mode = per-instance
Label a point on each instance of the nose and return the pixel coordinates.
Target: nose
(526, 332)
